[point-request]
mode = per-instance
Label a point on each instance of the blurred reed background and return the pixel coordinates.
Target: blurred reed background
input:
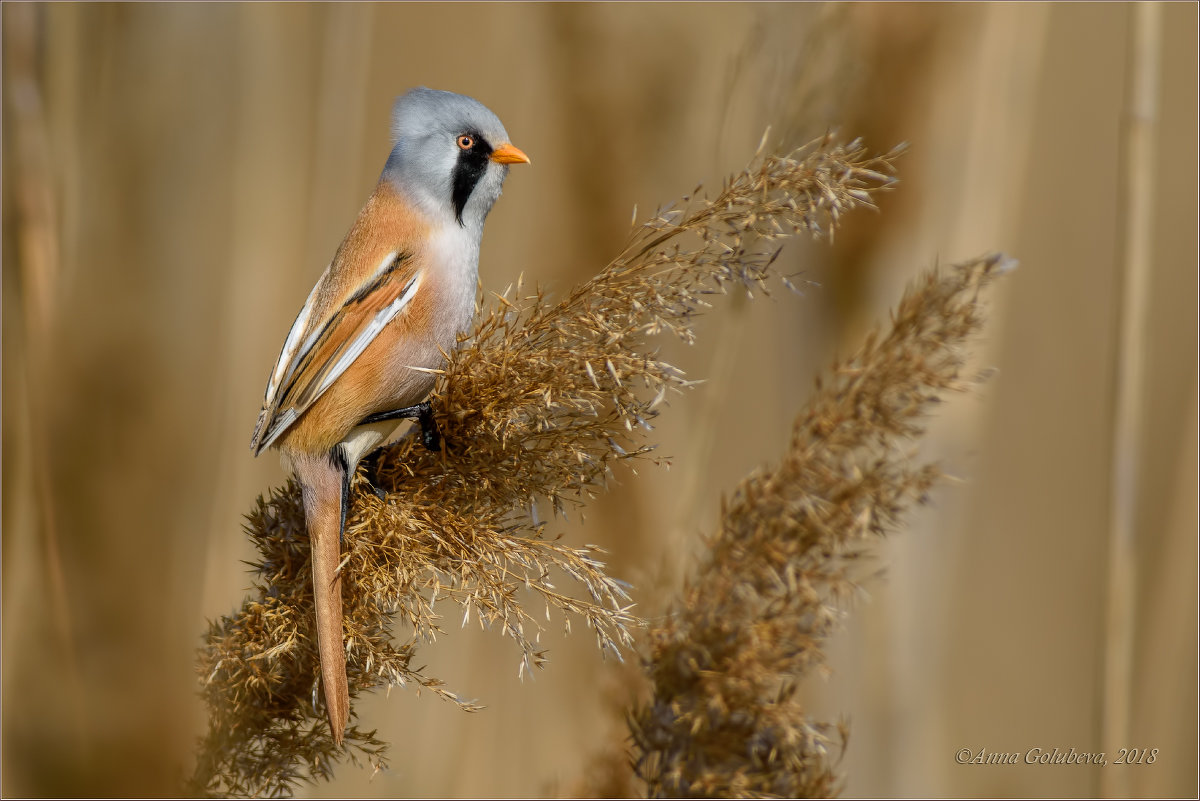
(177, 175)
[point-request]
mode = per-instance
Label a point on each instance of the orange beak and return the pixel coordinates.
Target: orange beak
(508, 154)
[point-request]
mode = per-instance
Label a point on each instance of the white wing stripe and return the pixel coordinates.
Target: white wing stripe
(318, 330)
(383, 266)
(368, 334)
(282, 422)
(287, 357)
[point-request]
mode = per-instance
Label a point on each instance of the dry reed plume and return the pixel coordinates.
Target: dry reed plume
(538, 404)
(755, 614)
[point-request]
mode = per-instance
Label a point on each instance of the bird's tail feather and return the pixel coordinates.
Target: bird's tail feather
(323, 480)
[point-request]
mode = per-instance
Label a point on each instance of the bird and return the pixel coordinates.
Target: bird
(359, 357)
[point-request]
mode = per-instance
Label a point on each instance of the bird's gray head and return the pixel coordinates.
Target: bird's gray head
(450, 155)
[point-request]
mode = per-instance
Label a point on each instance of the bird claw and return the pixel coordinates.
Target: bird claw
(431, 437)
(370, 464)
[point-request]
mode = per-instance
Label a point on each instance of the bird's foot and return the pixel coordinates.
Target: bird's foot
(370, 464)
(431, 437)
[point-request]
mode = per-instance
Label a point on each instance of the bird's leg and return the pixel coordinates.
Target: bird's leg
(347, 474)
(422, 412)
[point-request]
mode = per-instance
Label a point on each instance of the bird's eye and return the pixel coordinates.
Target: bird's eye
(466, 142)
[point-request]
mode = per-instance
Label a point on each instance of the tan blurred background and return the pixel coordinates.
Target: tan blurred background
(177, 175)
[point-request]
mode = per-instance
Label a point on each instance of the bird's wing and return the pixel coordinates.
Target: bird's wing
(317, 352)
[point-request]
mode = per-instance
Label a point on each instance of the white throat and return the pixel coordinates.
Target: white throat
(455, 250)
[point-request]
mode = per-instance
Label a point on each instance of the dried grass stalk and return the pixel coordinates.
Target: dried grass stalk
(538, 404)
(753, 618)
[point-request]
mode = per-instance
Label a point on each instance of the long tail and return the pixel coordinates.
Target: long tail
(323, 481)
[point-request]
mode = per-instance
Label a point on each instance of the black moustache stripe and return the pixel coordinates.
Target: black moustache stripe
(468, 170)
